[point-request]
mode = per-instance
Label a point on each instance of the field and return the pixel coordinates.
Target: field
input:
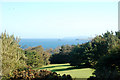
(67, 69)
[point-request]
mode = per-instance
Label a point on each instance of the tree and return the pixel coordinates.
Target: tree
(32, 59)
(108, 66)
(0, 57)
(61, 56)
(79, 55)
(89, 53)
(38, 56)
(102, 45)
(12, 54)
(118, 34)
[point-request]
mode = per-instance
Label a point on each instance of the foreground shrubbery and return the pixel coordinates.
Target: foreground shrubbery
(29, 74)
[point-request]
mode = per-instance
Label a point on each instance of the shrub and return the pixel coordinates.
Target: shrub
(29, 74)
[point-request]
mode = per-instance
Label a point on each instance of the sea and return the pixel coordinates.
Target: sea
(49, 43)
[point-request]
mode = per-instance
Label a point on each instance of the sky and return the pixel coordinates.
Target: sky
(58, 19)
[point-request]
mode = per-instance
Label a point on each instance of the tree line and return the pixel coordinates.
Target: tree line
(101, 53)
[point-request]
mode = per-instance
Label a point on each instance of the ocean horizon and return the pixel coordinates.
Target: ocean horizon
(49, 43)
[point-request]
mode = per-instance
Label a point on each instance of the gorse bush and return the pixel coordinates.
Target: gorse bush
(29, 74)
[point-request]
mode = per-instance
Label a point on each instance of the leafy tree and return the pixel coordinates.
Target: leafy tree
(32, 59)
(79, 55)
(108, 67)
(89, 53)
(102, 45)
(12, 54)
(61, 56)
(38, 55)
(65, 49)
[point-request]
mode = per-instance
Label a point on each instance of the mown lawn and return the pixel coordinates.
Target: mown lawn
(67, 69)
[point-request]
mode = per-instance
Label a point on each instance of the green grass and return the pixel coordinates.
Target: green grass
(67, 69)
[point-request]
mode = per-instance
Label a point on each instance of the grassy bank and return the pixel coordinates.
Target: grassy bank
(67, 69)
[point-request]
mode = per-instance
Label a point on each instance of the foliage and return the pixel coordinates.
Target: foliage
(0, 57)
(102, 45)
(37, 56)
(62, 56)
(102, 53)
(59, 58)
(65, 49)
(108, 67)
(32, 59)
(89, 53)
(29, 74)
(118, 34)
(12, 54)
(79, 55)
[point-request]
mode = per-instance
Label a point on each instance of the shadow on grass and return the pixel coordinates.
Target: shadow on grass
(64, 69)
(71, 68)
(54, 66)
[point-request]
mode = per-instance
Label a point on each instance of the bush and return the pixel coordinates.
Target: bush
(29, 74)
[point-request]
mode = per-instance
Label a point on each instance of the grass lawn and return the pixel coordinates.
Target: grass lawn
(67, 69)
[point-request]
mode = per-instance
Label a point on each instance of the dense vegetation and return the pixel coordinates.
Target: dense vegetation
(15, 60)
(29, 74)
(12, 55)
(61, 56)
(101, 53)
(37, 56)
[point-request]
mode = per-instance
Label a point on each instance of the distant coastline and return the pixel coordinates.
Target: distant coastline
(50, 43)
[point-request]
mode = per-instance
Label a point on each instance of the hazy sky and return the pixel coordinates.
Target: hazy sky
(58, 19)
